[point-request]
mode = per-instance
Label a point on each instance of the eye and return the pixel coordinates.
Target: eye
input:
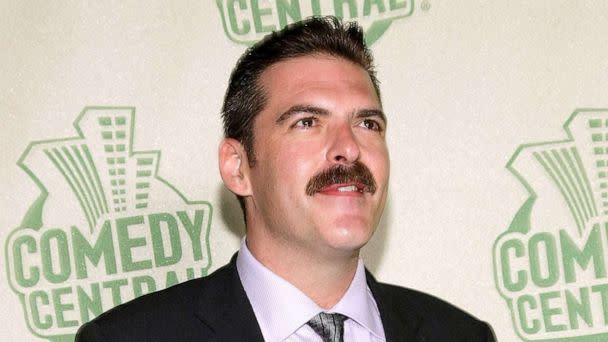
(305, 123)
(371, 124)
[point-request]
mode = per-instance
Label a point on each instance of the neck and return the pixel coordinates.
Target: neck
(324, 276)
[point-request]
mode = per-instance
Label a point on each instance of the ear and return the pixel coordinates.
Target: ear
(234, 167)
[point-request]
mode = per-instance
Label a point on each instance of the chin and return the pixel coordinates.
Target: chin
(350, 236)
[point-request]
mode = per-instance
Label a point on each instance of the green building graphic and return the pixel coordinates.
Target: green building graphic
(110, 134)
(105, 228)
(550, 265)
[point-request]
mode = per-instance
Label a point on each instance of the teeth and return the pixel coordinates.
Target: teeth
(347, 188)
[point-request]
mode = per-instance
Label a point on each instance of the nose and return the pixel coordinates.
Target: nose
(343, 148)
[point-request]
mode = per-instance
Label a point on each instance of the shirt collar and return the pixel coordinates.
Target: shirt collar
(281, 308)
(359, 305)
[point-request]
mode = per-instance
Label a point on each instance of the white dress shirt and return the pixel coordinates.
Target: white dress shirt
(282, 310)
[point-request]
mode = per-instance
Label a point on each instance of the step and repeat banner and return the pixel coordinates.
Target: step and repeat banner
(498, 133)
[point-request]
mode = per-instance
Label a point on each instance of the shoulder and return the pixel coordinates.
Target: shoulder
(172, 298)
(425, 304)
(160, 313)
(437, 319)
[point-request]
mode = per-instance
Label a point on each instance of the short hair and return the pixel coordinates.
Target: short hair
(245, 97)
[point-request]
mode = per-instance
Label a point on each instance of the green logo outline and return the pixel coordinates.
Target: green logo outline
(372, 34)
(521, 224)
(33, 219)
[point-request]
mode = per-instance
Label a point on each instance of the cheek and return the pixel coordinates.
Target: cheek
(379, 163)
(297, 162)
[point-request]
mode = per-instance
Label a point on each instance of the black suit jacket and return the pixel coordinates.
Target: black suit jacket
(216, 308)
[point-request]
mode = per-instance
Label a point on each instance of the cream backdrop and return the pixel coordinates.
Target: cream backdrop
(464, 83)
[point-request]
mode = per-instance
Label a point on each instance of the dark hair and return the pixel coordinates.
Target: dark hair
(245, 97)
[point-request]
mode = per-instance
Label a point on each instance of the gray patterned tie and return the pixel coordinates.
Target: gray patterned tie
(329, 326)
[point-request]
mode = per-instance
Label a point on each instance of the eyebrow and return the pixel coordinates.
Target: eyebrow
(299, 109)
(366, 113)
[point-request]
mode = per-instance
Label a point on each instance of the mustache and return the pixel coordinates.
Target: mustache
(355, 173)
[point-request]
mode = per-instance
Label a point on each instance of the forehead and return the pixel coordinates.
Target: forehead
(318, 76)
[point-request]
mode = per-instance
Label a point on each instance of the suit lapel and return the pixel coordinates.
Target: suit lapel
(399, 321)
(224, 308)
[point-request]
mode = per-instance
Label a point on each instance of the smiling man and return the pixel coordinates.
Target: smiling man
(305, 153)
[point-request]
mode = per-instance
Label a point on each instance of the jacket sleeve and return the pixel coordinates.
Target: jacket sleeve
(89, 332)
(490, 337)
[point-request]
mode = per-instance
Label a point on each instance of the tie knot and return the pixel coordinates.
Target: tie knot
(329, 326)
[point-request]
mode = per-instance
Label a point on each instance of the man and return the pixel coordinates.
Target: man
(305, 153)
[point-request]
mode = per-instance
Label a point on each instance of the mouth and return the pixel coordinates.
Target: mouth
(348, 189)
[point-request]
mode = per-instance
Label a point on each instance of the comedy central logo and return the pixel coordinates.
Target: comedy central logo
(247, 21)
(550, 265)
(104, 229)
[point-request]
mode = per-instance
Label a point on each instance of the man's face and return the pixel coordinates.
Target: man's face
(322, 113)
